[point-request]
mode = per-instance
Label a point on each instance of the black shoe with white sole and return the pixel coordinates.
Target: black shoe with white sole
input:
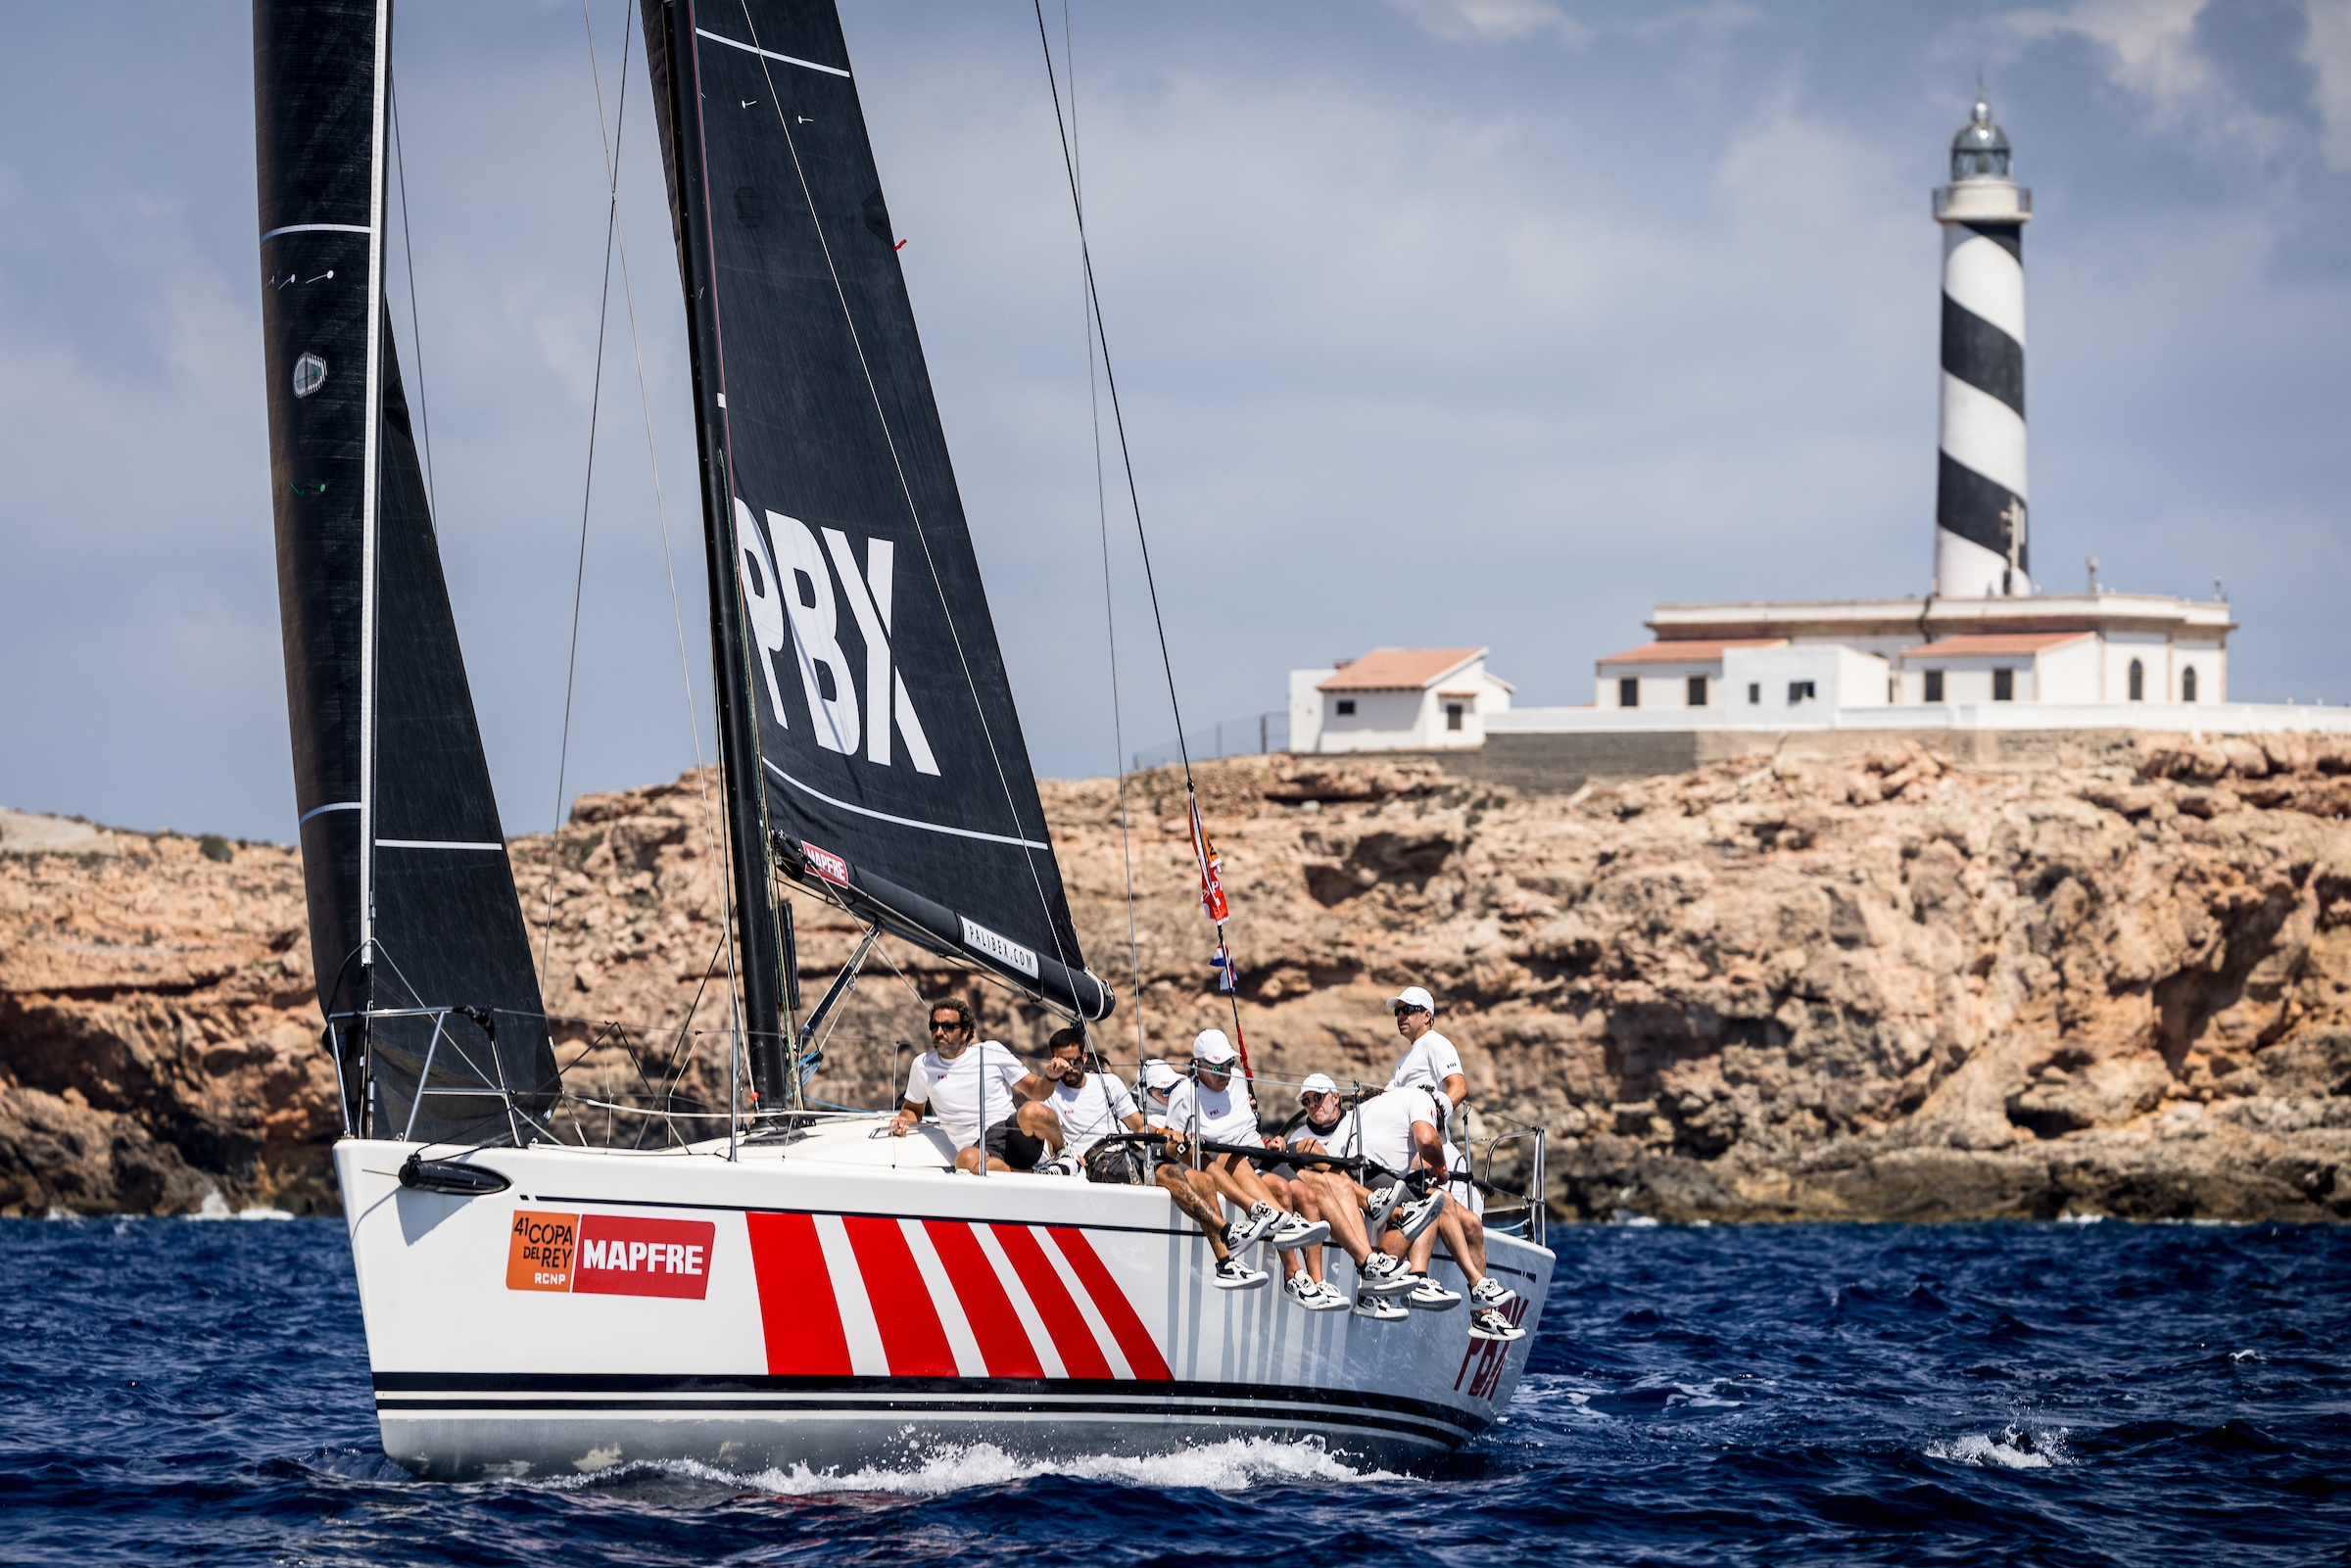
(1490, 1324)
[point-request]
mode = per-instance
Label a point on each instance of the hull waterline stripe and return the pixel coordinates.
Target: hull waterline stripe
(797, 1308)
(1003, 1343)
(318, 228)
(768, 54)
(1134, 1339)
(1445, 1433)
(904, 821)
(1081, 1356)
(911, 1335)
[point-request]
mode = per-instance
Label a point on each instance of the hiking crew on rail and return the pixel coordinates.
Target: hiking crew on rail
(1390, 1186)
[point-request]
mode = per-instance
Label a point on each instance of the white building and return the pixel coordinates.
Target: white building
(1397, 700)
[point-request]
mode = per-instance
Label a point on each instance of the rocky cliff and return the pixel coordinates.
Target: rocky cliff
(1882, 988)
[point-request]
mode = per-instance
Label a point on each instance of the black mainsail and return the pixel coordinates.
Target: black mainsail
(883, 761)
(412, 907)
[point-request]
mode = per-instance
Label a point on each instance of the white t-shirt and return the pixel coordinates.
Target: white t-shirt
(1430, 1059)
(1224, 1115)
(1382, 1127)
(1327, 1137)
(1155, 1111)
(953, 1090)
(1091, 1111)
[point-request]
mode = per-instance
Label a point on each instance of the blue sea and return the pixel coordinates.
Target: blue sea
(185, 1391)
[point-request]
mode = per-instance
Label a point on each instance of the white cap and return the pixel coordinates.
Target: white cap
(1414, 996)
(1317, 1084)
(1161, 1076)
(1212, 1049)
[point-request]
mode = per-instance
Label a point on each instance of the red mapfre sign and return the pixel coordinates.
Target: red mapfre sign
(610, 1254)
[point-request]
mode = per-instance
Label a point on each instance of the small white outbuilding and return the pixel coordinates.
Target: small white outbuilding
(1397, 700)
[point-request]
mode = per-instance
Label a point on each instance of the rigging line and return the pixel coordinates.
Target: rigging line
(1110, 622)
(596, 403)
(1110, 378)
(653, 457)
(407, 245)
(906, 489)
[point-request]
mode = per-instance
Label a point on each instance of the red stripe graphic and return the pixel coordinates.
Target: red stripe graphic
(1134, 1339)
(1003, 1343)
(1081, 1356)
(796, 1307)
(911, 1336)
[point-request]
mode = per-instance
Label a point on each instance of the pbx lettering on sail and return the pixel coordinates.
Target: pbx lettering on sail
(795, 586)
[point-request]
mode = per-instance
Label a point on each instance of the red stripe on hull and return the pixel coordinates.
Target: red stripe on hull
(912, 1338)
(797, 1312)
(1003, 1343)
(1134, 1339)
(1081, 1356)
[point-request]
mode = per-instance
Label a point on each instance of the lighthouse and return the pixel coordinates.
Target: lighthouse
(1980, 493)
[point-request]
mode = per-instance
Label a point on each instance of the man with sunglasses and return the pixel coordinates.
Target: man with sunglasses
(989, 1105)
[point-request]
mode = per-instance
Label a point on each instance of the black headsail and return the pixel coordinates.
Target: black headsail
(411, 899)
(890, 758)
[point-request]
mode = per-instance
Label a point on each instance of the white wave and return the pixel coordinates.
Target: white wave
(2081, 1219)
(2241, 1357)
(216, 1207)
(2015, 1449)
(1235, 1465)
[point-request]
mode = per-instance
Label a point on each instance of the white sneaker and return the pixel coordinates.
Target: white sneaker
(1412, 1217)
(1491, 1292)
(1244, 1231)
(1370, 1305)
(1490, 1324)
(1427, 1296)
(1291, 1233)
(1311, 1294)
(1383, 1204)
(1386, 1276)
(1233, 1274)
(1065, 1165)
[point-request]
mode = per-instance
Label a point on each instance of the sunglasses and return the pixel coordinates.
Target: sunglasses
(946, 1025)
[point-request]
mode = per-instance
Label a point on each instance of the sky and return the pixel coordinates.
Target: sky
(1438, 322)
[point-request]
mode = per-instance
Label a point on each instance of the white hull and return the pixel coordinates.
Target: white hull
(850, 1301)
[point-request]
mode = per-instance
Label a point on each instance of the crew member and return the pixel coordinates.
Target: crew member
(1308, 1287)
(1431, 1059)
(1209, 1106)
(970, 1089)
(1090, 1104)
(1399, 1131)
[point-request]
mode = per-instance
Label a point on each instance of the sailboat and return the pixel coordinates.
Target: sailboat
(785, 1287)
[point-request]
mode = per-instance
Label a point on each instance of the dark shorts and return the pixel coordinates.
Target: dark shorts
(1006, 1141)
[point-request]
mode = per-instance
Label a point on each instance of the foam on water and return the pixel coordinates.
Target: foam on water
(2015, 1449)
(1236, 1465)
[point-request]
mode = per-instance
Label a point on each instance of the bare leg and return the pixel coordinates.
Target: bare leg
(1343, 1214)
(1201, 1208)
(1040, 1121)
(1466, 1238)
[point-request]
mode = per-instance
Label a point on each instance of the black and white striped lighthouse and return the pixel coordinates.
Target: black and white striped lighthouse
(1979, 505)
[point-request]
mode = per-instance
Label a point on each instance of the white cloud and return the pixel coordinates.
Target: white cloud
(2151, 51)
(2327, 50)
(1494, 20)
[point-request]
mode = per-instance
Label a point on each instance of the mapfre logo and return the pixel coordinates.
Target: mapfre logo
(794, 595)
(609, 1254)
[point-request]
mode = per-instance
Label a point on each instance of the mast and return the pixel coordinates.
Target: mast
(670, 54)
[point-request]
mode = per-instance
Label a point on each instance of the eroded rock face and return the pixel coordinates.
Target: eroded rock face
(1885, 990)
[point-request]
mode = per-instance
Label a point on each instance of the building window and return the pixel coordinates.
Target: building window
(2139, 681)
(1801, 692)
(1755, 692)
(1698, 691)
(1453, 715)
(1346, 707)
(2003, 686)
(1934, 685)
(1628, 693)
(2188, 683)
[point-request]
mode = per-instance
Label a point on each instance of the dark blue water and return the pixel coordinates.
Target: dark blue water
(187, 1391)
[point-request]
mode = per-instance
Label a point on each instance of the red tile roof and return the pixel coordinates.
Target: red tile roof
(1980, 644)
(1398, 668)
(1690, 650)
